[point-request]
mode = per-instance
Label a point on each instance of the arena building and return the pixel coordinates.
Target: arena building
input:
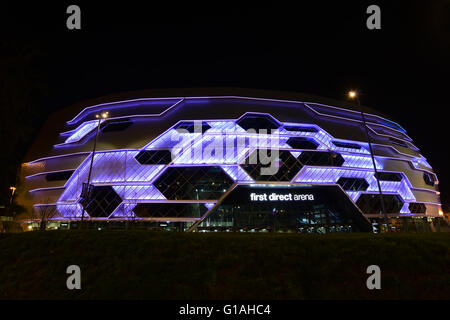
(228, 160)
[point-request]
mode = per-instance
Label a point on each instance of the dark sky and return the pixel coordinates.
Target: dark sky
(322, 49)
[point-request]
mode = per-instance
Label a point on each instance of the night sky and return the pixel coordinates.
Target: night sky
(323, 49)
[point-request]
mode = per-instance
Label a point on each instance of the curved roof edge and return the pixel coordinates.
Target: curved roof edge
(72, 110)
(59, 118)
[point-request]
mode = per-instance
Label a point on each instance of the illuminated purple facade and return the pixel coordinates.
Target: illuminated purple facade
(161, 160)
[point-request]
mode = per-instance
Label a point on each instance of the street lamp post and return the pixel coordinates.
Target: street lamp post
(13, 189)
(102, 115)
(354, 95)
(10, 212)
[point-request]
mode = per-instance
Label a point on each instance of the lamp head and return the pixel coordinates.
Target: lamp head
(103, 115)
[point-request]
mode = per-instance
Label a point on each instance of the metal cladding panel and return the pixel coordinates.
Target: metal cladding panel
(426, 196)
(40, 181)
(433, 209)
(197, 109)
(415, 177)
(46, 196)
(124, 108)
(336, 131)
(65, 162)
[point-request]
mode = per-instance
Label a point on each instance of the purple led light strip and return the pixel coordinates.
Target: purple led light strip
(117, 104)
(277, 122)
(246, 98)
(302, 102)
(349, 119)
(83, 125)
(280, 124)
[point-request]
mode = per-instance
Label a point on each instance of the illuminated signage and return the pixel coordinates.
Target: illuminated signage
(281, 196)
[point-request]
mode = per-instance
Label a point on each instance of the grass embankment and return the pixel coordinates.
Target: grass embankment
(139, 264)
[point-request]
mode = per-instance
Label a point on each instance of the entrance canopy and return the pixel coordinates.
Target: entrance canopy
(288, 208)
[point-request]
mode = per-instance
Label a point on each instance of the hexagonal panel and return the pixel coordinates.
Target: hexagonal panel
(302, 143)
(257, 122)
(389, 176)
(353, 184)
(192, 126)
(429, 179)
(416, 207)
(347, 145)
(116, 125)
(193, 183)
(321, 158)
(370, 203)
(300, 128)
(289, 166)
(59, 175)
(154, 157)
(102, 201)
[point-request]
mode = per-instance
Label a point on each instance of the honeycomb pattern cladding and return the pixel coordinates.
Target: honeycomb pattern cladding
(102, 202)
(153, 181)
(288, 166)
(371, 204)
(193, 183)
(154, 157)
